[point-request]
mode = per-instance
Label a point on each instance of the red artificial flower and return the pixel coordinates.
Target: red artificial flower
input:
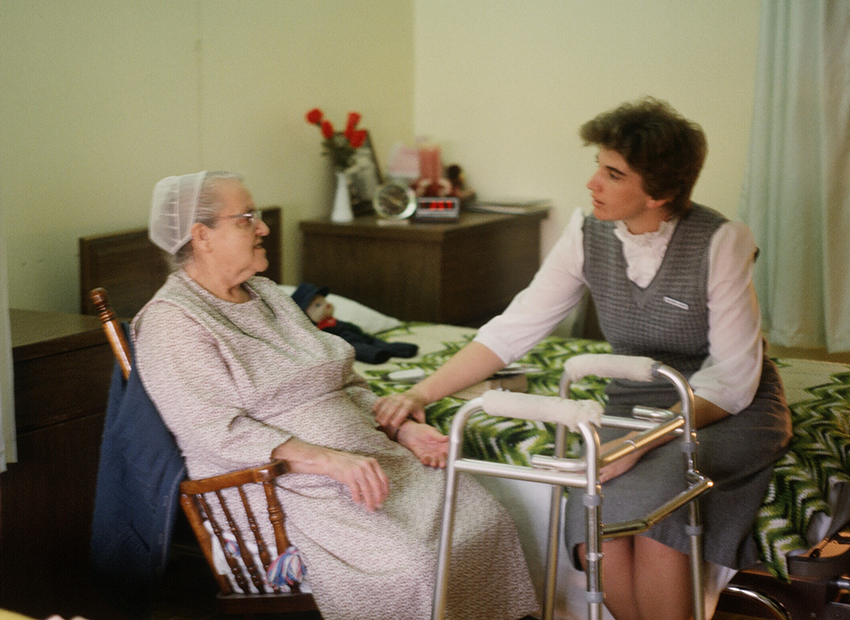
(353, 119)
(339, 147)
(314, 116)
(357, 138)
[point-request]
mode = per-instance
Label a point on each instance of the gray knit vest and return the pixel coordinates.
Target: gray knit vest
(667, 320)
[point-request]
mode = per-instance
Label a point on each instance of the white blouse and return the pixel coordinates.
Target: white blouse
(730, 374)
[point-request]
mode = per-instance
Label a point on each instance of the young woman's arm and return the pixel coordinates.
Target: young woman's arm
(470, 365)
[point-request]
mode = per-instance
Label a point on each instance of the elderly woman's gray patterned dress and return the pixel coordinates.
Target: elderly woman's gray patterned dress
(233, 381)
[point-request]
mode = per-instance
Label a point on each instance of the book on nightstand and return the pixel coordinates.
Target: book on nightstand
(509, 206)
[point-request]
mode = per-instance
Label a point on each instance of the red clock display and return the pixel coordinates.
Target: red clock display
(443, 209)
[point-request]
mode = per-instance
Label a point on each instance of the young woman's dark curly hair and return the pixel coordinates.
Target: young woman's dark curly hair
(657, 142)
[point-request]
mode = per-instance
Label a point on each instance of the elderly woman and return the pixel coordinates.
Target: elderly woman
(240, 375)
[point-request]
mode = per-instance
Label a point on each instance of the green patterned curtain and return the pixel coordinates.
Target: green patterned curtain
(8, 451)
(796, 196)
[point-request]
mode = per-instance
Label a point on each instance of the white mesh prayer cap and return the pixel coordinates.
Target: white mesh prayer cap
(173, 208)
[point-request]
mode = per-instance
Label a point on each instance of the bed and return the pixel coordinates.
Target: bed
(807, 502)
(804, 556)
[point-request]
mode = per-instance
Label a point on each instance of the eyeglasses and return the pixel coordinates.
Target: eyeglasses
(250, 219)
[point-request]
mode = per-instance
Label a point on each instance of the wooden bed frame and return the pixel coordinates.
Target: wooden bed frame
(131, 268)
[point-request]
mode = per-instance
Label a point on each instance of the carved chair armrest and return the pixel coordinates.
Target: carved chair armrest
(260, 474)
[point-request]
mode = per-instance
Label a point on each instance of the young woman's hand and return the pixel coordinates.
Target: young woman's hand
(473, 363)
(391, 411)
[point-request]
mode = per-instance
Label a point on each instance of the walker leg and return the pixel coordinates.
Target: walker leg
(441, 586)
(592, 500)
(593, 555)
(697, 577)
(551, 582)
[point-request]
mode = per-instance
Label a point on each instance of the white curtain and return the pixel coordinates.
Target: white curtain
(796, 196)
(8, 451)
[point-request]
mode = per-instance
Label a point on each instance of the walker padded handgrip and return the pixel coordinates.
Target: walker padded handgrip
(611, 366)
(543, 408)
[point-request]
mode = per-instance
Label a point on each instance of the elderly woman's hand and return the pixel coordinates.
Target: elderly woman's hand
(429, 445)
(391, 411)
(363, 476)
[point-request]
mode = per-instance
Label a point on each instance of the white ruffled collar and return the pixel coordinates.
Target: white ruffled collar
(644, 252)
(665, 231)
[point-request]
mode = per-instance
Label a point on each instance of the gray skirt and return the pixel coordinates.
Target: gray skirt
(737, 453)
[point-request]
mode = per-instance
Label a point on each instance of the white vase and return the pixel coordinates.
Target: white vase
(342, 200)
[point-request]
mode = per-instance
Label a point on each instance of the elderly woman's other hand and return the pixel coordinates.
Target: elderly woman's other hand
(391, 411)
(367, 482)
(363, 476)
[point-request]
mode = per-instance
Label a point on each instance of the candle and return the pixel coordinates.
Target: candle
(430, 165)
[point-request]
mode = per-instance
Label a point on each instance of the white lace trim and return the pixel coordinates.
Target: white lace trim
(644, 252)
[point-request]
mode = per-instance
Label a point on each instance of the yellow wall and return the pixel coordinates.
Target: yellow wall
(101, 98)
(504, 85)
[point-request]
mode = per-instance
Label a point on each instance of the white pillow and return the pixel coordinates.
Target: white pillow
(369, 320)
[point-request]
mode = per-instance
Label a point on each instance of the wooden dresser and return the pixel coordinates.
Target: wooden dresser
(460, 273)
(62, 365)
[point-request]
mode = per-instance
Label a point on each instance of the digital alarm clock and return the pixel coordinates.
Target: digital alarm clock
(444, 209)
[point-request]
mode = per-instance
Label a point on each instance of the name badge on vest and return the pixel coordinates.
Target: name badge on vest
(676, 303)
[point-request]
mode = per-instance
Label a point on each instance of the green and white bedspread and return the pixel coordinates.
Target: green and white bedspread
(810, 483)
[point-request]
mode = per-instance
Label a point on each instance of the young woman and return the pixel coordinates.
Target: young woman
(671, 280)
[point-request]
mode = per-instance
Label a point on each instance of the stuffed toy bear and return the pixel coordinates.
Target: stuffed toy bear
(312, 300)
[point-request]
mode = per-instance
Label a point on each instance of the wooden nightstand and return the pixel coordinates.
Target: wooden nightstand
(459, 273)
(63, 366)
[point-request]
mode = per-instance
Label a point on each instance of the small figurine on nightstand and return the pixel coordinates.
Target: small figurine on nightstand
(313, 302)
(459, 189)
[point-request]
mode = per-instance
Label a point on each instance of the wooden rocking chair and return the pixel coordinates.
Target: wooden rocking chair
(197, 498)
